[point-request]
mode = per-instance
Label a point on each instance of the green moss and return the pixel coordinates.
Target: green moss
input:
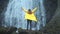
(3, 29)
(20, 29)
(14, 32)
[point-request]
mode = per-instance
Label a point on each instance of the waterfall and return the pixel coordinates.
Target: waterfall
(14, 16)
(43, 14)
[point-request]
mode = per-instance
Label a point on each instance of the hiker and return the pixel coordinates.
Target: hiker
(29, 16)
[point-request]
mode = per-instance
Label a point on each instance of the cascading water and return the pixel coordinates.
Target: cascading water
(43, 14)
(14, 16)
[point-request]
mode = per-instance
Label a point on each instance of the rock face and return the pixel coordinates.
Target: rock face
(29, 32)
(3, 5)
(53, 26)
(51, 6)
(8, 30)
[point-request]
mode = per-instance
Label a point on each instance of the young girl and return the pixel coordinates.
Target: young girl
(29, 16)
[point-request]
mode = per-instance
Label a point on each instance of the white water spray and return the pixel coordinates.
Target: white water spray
(14, 16)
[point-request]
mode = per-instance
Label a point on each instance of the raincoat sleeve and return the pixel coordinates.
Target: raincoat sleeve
(24, 9)
(34, 10)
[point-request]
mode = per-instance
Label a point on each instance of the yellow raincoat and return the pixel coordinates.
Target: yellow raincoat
(30, 16)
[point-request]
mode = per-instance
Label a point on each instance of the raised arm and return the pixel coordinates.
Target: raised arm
(34, 9)
(24, 9)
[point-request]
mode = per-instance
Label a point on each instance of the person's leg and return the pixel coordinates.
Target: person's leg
(30, 24)
(27, 24)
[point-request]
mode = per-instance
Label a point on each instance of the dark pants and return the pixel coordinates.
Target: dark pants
(29, 22)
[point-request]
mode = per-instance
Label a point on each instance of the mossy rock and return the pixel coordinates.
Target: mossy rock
(14, 32)
(20, 29)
